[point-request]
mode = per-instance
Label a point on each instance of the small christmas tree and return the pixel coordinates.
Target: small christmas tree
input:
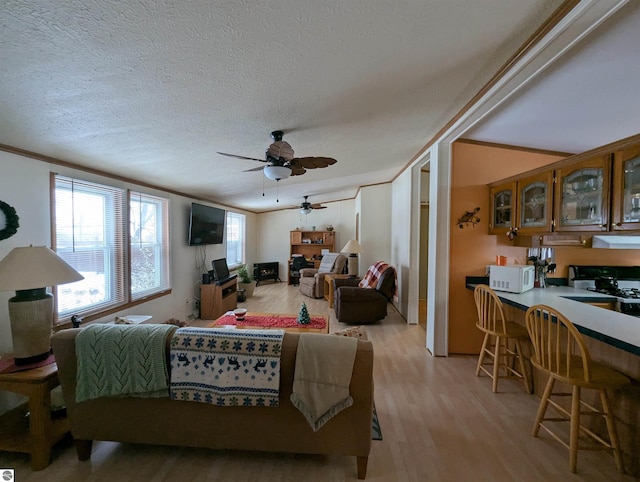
(303, 316)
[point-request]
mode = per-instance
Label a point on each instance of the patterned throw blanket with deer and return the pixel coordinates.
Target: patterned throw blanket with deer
(226, 367)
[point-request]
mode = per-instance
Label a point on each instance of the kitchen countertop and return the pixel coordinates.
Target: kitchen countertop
(608, 326)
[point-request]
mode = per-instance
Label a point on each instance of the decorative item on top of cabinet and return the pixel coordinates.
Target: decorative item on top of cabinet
(625, 211)
(582, 195)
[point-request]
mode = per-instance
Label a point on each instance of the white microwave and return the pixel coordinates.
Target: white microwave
(513, 278)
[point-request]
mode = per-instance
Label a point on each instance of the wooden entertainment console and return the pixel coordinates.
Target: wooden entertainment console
(216, 300)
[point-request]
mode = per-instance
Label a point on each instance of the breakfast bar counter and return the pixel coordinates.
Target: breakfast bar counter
(608, 326)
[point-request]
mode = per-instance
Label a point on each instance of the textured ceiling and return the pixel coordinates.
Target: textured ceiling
(152, 89)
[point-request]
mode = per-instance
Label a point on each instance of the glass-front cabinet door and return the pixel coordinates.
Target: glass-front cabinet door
(534, 203)
(503, 208)
(582, 195)
(626, 190)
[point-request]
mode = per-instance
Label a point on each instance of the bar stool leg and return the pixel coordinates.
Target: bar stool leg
(544, 403)
(575, 428)
(528, 384)
(496, 364)
(611, 427)
(482, 352)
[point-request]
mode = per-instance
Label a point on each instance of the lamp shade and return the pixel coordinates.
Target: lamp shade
(352, 247)
(34, 267)
(275, 173)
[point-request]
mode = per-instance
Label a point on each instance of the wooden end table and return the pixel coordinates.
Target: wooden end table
(328, 286)
(36, 434)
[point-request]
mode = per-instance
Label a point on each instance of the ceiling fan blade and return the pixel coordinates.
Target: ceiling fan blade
(317, 206)
(297, 170)
(313, 162)
(242, 157)
(255, 169)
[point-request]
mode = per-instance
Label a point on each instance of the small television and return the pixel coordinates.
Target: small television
(206, 225)
(220, 269)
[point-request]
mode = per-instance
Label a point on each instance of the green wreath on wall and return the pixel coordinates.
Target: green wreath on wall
(11, 221)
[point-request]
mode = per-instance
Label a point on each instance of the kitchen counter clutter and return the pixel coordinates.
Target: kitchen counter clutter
(616, 329)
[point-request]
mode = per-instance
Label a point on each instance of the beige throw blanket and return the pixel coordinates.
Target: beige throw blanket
(322, 376)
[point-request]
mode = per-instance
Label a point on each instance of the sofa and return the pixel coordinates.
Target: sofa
(312, 280)
(163, 421)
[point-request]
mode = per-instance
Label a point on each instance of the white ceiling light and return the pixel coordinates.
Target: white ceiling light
(305, 210)
(275, 173)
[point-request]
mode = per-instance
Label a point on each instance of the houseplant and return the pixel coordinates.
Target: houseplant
(245, 281)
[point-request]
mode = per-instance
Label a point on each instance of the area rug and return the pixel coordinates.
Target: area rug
(376, 433)
(271, 321)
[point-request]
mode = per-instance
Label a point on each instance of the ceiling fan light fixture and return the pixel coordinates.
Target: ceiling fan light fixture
(305, 210)
(275, 173)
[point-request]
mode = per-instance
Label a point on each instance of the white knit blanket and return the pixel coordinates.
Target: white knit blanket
(226, 367)
(324, 364)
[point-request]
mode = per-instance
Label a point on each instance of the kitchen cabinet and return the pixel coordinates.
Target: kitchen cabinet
(533, 205)
(625, 210)
(503, 208)
(566, 202)
(582, 195)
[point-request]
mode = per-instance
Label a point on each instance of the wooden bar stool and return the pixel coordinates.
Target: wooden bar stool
(560, 351)
(497, 334)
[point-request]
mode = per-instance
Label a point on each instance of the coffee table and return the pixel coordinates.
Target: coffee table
(253, 318)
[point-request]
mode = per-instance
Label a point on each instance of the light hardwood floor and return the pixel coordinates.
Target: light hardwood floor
(439, 423)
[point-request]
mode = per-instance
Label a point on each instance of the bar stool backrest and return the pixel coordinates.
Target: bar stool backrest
(490, 313)
(558, 345)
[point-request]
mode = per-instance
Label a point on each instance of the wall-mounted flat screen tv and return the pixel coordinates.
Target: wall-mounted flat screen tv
(206, 225)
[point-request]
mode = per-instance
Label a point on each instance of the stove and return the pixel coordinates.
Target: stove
(623, 282)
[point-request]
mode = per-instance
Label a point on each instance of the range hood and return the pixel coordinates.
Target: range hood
(616, 242)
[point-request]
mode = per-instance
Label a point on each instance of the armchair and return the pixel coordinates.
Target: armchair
(312, 280)
(357, 305)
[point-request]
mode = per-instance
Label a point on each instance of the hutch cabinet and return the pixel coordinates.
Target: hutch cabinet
(310, 245)
(582, 195)
(625, 211)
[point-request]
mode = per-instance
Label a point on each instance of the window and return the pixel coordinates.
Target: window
(149, 235)
(235, 239)
(91, 233)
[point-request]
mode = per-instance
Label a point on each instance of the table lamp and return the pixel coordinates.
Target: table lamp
(352, 248)
(29, 271)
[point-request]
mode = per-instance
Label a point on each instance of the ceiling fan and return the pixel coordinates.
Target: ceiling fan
(280, 161)
(306, 206)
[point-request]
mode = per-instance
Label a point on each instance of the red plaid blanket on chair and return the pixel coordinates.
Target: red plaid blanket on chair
(373, 275)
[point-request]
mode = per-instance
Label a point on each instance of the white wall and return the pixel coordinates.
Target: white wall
(375, 225)
(273, 229)
(401, 248)
(24, 184)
